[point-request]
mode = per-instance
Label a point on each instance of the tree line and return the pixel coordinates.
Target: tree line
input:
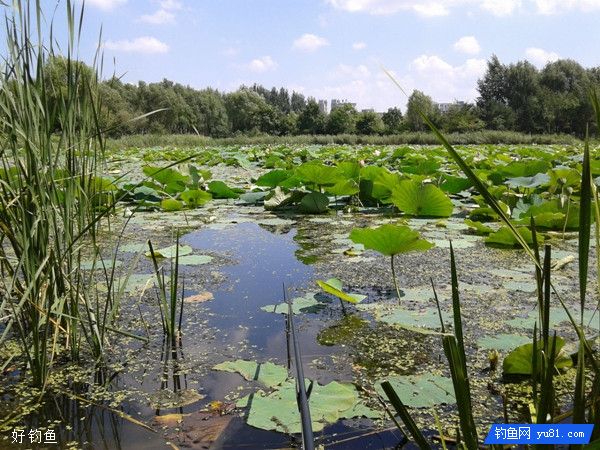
(514, 97)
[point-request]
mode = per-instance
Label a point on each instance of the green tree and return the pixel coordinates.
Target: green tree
(311, 120)
(342, 120)
(493, 97)
(248, 111)
(418, 103)
(461, 118)
(393, 120)
(369, 122)
(524, 96)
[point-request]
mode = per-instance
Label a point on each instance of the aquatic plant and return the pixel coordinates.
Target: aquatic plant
(390, 240)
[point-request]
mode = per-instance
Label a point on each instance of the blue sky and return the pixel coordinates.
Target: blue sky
(335, 48)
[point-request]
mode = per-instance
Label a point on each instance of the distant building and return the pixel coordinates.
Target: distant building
(323, 106)
(335, 103)
(445, 107)
(367, 110)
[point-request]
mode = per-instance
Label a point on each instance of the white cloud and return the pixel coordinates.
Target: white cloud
(160, 17)
(171, 4)
(432, 8)
(468, 45)
(310, 42)
(359, 46)
(263, 64)
(556, 6)
(501, 7)
(144, 44)
(346, 71)
(105, 4)
(540, 57)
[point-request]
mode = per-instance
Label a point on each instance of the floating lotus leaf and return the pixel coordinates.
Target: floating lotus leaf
(219, 189)
(557, 316)
(334, 286)
(421, 199)
(318, 174)
(306, 304)
(479, 227)
(195, 197)
(170, 204)
(268, 374)
(194, 260)
(279, 411)
(170, 252)
(421, 391)
(389, 239)
(503, 342)
(525, 168)
(520, 360)
(165, 175)
(349, 169)
(314, 203)
(454, 185)
(539, 179)
(273, 178)
(505, 238)
(279, 198)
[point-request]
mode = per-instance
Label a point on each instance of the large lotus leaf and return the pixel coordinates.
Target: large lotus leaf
(194, 260)
(306, 304)
(564, 176)
(334, 286)
(525, 168)
(390, 239)
(376, 183)
(195, 197)
(520, 360)
(453, 184)
(133, 283)
(171, 251)
(539, 179)
(314, 203)
(198, 175)
(220, 190)
(278, 198)
(279, 411)
(557, 316)
(420, 199)
(421, 391)
(502, 341)
(170, 204)
(268, 374)
(422, 321)
(345, 187)
(165, 175)
(423, 167)
(569, 211)
(146, 193)
(318, 174)
(273, 178)
(349, 169)
(505, 238)
(478, 227)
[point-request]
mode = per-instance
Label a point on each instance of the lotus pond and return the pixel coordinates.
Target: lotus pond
(241, 225)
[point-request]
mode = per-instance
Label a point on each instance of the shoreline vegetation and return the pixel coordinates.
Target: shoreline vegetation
(486, 137)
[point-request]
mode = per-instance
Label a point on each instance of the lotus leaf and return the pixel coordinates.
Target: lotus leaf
(314, 203)
(195, 197)
(421, 199)
(171, 251)
(334, 286)
(520, 360)
(505, 238)
(421, 391)
(170, 204)
(273, 178)
(390, 239)
(268, 374)
(220, 190)
(165, 176)
(306, 304)
(318, 174)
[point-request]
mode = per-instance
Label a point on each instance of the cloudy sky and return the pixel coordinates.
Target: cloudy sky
(336, 48)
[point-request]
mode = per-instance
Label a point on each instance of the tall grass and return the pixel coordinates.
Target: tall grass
(417, 138)
(51, 199)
